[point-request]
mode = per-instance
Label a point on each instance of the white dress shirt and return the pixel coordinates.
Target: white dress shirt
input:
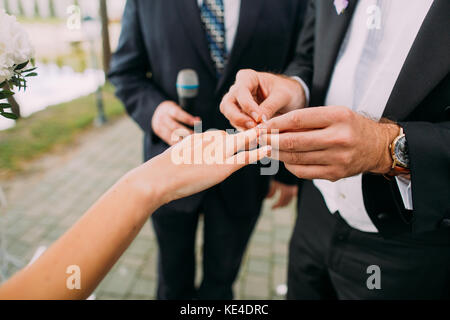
(232, 10)
(366, 70)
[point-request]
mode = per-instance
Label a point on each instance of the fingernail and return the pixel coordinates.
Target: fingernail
(262, 126)
(250, 124)
(255, 116)
(264, 118)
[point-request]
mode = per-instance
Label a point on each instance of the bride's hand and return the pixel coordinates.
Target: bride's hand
(98, 239)
(201, 161)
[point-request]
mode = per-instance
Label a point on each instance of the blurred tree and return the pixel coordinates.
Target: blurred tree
(6, 6)
(36, 9)
(105, 35)
(20, 8)
(15, 108)
(51, 8)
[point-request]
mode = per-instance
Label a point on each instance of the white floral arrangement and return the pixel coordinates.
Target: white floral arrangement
(16, 60)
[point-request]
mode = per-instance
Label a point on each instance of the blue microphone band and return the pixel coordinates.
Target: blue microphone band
(187, 87)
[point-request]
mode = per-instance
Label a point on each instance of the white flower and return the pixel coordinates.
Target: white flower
(23, 49)
(15, 45)
(5, 74)
(6, 70)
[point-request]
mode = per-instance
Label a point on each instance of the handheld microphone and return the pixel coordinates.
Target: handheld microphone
(187, 88)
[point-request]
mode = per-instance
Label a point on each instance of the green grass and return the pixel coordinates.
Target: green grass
(48, 20)
(47, 130)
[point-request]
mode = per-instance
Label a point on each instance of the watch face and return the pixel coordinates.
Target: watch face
(401, 152)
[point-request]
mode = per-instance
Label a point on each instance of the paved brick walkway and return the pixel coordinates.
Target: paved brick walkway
(56, 190)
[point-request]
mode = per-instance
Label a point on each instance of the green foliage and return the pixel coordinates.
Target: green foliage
(50, 130)
(4, 94)
(17, 81)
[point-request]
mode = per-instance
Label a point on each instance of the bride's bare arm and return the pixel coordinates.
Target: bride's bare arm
(103, 233)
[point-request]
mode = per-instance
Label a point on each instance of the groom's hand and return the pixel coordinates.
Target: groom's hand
(330, 142)
(170, 122)
(258, 96)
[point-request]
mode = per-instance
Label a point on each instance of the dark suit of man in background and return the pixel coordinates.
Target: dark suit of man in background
(160, 38)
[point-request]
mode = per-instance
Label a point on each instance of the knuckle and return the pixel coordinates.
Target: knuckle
(348, 139)
(269, 108)
(344, 159)
(296, 118)
(243, 73)
(285, 90)
(344, 138)
(246, 106)
(298, 157)
(289, 143)
(294, 158)
(337, 173)
(332, 179)
(341, 139)
(223, 104)
(343, 113)
(332, 176)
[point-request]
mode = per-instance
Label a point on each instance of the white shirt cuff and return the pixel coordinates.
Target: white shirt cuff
(404, 185)
(305, 88)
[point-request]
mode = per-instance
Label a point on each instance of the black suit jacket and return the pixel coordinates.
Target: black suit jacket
(420, 102)
(161, 37)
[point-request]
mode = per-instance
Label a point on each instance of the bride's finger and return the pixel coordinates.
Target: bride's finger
(241, 141)
(246, 157)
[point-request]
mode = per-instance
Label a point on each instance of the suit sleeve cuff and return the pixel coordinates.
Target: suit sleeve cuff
(305, 88)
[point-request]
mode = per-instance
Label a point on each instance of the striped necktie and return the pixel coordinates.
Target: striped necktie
(212, 14)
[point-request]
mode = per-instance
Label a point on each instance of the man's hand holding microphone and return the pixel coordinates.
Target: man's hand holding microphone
(331, 142)
(172, 121)
(168, 118)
